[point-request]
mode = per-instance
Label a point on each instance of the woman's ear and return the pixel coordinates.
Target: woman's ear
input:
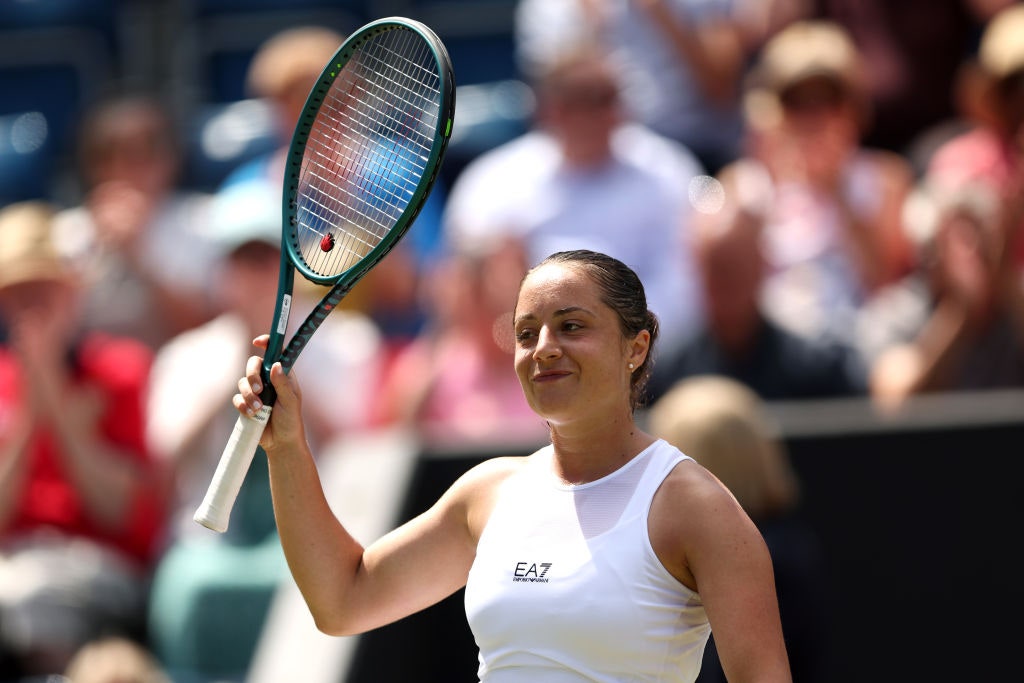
(639, 347)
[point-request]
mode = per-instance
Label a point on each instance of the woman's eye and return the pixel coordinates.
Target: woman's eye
(524, 335)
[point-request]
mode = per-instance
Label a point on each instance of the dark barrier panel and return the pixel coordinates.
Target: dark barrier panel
(436, 645)
(922, 536)
(920, 518)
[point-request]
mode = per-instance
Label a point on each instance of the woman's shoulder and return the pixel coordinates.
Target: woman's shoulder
(694, 514)
(487, 475)
(476, 491)
(692, 491)
(499, 467)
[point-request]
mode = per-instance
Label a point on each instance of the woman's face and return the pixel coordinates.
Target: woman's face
(571, 356)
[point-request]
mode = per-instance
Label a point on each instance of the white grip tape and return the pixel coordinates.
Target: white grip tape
(215, 509)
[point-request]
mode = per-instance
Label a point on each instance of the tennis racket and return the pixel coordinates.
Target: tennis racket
(363, 158)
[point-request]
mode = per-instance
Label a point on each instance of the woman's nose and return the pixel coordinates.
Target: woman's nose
(547, 344)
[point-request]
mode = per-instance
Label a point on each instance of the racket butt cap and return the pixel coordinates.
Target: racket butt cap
(212, 522)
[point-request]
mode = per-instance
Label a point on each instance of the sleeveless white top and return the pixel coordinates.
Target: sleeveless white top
(566, 586)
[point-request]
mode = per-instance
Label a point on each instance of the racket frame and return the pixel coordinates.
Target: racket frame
(292, 258)
(214, 512)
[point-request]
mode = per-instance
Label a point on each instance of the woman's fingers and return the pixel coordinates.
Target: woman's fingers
(243, 406)
(284, 382)
(253, 370)
(247, 400)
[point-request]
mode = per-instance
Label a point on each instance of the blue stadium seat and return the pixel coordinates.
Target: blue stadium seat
(210, 596)
(203, 7)
(27, 158)
(487, 115)
(219, 37)
(45, 87)
(100, 15)
(56, 90)
(55, 56)
(221, 137)
(479, 34)
(93, 26)
(481, 58)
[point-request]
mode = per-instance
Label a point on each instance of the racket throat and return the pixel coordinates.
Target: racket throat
(269, 394)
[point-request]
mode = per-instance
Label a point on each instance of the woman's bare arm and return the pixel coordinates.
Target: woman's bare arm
(350, 588)
(709, 543)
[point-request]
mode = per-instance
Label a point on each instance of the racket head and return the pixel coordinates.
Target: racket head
(366, 149)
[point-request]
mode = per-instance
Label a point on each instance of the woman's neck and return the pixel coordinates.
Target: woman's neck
(583, 454)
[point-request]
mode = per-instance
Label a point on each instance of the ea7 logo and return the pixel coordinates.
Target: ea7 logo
(531, 572)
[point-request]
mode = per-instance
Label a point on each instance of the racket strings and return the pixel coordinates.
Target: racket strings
(368, 150)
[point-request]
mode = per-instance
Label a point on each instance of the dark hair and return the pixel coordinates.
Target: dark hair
(623, 292)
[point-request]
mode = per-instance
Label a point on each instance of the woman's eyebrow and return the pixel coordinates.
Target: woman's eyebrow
(570, 310)
(560, 313)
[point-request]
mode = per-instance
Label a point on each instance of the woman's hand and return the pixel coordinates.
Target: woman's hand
(285, 425)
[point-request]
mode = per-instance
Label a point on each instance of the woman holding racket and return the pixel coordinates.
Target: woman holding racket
(607, 555)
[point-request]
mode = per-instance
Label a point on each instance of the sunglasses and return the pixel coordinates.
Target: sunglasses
(586, 97)
(816, 95)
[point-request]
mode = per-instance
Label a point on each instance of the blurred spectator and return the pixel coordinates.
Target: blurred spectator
(912, 52)
(211, 591)
(114, 660)
(725, 427)
(455, 380)
(681, 61)
(139, 236)
(586, 177)
(992, 152)
(190, 413)
(833, 232)
(283, 71)
(738, 340)
(79, 512)
(957, 323)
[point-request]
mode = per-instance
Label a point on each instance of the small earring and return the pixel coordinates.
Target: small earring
(630, 366)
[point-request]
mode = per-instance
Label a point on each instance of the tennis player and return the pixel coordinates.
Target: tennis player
(607, 555)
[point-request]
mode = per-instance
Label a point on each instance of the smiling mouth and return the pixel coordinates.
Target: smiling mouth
(549, 376)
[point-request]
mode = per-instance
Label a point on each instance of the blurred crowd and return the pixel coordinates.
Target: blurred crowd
(823, 198)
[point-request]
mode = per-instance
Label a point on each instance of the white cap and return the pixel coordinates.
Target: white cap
(246, 211)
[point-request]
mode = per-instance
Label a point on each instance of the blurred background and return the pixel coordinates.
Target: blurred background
(59, 57)
(831, 193)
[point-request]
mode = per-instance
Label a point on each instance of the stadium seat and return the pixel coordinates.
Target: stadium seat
(487, 115)
(43, 96)
(26, 157)
(479, 34)
(219, 37)
(210, 596)
(220, 137)
(208, 608)
(55, 55)
(55, 89)
(100, 17)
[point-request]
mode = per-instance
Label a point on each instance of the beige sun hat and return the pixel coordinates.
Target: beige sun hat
(804, 50)
(1001, 52)
(292, 58)
(27, 249)
(810, 49)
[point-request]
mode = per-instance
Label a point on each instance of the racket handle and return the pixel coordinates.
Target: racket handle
(215, 510)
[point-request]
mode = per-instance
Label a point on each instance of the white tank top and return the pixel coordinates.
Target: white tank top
(566, 587)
